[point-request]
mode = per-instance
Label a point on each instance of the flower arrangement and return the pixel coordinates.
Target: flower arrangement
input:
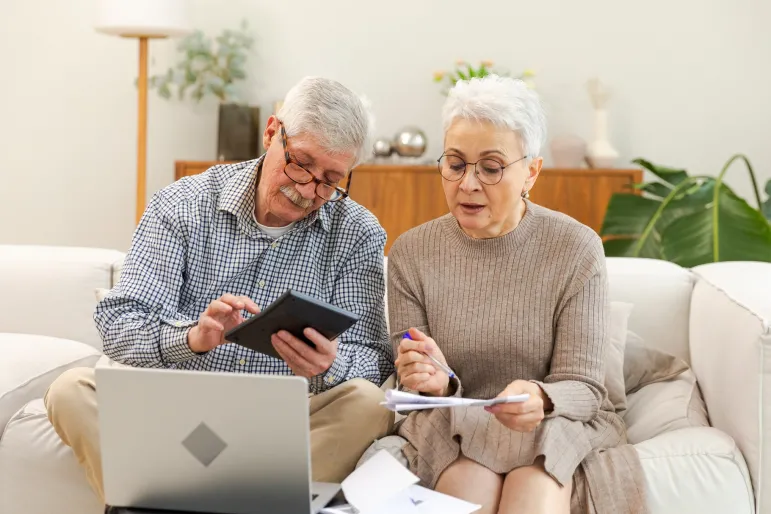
(465, 71)
(204, 70)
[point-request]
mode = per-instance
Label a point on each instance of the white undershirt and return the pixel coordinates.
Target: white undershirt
(275, 232)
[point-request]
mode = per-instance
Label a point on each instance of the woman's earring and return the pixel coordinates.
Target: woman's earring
(525, 194)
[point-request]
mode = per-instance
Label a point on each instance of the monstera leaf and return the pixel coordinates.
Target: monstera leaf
(767, 203)
(686, 220)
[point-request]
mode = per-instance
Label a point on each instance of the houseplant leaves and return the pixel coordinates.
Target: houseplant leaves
(686, 220)
(727, 230)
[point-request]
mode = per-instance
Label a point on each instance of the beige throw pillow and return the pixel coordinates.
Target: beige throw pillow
(614, 354)
(644, 365)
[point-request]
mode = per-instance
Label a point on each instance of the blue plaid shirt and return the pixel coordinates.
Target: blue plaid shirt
(198, 240)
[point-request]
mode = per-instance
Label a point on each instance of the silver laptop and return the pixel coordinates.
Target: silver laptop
(223, 443)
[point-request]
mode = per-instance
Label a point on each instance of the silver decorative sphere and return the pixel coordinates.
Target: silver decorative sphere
(382, 147)
(410, 142)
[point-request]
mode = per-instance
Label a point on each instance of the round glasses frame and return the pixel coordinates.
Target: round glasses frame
(476, 170)
(335, 193)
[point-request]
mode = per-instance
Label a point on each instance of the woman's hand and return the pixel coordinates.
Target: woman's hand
(416, 371)
(523, 416)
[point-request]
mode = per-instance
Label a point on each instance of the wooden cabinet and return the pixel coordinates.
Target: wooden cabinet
(402, 197)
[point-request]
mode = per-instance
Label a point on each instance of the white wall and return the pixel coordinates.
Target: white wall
(690, 80)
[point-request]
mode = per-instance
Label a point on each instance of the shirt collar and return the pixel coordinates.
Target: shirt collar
(239, 194)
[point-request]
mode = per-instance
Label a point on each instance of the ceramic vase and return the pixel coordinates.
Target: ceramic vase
(601, 153)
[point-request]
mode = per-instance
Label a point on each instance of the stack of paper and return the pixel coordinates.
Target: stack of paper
(383, 486)
(401, 401)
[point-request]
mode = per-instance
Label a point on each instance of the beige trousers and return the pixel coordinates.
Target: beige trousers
(344, 421)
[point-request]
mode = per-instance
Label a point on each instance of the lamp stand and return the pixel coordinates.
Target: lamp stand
(142, 130)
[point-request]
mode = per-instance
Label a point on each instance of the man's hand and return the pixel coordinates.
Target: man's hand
(525, 416)
(220, 316)
(302, 359)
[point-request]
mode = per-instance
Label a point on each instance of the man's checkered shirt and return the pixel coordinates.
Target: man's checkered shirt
(198, 240)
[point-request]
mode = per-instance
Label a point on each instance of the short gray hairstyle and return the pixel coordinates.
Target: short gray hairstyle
(332, 114)
(504, 102)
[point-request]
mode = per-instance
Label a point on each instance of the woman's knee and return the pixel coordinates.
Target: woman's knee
(532, 489)
(472, 482)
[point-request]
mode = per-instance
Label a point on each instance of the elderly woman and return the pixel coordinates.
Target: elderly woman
(513, 297)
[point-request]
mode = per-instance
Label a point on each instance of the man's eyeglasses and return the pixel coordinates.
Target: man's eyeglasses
(488, 171)
(300, 175)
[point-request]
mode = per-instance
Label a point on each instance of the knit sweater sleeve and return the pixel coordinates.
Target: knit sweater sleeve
(406, 305)
(575, 383)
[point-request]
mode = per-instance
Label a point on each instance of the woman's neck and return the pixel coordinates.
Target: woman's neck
(500, 229)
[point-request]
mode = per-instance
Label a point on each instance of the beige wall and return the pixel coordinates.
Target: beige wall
(691, 81)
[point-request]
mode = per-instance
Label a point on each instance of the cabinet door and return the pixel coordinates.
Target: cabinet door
(582, 194)
(401, 197)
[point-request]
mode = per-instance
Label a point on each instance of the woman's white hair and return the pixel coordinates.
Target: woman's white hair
(502, 101)
(338, 119)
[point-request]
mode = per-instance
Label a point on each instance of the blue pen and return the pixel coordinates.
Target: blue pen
(443, 367)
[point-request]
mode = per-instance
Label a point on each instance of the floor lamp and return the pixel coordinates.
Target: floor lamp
(143, 20)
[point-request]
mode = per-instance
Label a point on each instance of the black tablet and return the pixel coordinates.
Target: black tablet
(293, 312)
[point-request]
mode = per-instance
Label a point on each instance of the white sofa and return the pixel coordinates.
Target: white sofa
(716, 317)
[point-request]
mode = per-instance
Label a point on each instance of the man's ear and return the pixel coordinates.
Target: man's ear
(271, 130)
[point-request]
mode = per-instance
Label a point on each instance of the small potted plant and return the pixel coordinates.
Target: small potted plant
(208, 71)
(464, 71)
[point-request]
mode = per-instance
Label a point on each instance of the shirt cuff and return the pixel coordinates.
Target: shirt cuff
(174, 345)
(332, 377)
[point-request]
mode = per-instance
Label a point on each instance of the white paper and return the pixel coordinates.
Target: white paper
(419, 500)
(382, 485)
(402, 401)
(376, 481)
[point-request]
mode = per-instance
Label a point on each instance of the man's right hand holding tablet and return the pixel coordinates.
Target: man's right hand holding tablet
(220, 316)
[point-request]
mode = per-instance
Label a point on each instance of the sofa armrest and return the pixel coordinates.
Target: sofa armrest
(64, 279)
(730, 343)
(31, 363)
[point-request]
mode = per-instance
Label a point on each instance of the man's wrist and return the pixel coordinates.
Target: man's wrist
(192, 340)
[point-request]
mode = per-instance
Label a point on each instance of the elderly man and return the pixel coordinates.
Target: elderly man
(213, 247)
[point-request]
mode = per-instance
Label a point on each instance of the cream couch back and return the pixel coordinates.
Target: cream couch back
(51, 291)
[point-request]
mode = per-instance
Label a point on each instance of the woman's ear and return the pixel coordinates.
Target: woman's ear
(533, 170)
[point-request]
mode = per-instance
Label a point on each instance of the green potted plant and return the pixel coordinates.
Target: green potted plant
(465, 71)
(209, 70)
(688, 220)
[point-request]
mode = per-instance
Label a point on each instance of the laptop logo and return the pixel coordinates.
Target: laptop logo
(204, 444)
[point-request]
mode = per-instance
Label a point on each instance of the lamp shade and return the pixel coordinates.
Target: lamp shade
(150, 18)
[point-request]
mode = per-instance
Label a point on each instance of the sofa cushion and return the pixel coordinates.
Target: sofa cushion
(661, 294)
(29, 365)
(38, 473)
(663, 406)
(695, 471)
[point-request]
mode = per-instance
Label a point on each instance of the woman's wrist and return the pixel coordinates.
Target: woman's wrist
(548, 406)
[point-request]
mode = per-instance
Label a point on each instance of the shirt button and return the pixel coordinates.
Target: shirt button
(274, 244)
(330, 378)
(262, 283)
(242, 362)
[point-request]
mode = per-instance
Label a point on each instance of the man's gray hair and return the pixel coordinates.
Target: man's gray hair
(338, 119)
(502, 101)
